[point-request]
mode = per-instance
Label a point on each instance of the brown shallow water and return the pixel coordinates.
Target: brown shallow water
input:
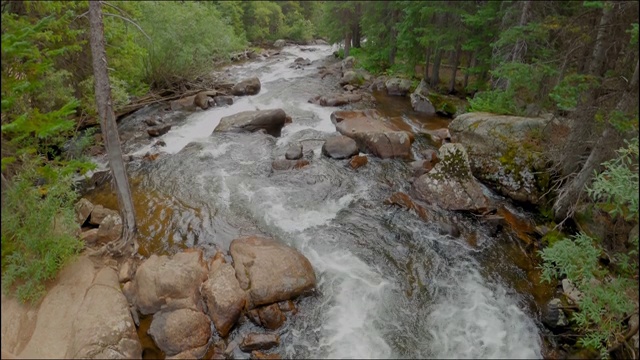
(389, 284)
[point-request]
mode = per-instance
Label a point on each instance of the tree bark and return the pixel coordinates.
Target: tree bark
(355, 28)
(427, 58)
(472, 63)
(600, 49)
(347, 43)
(127, 243)
(456, 62)
(435, 73)
(393, 34)
(519, 47)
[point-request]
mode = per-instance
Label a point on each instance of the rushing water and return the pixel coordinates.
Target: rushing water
(389, 285)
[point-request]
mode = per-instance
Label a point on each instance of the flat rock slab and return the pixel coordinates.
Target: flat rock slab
(373, 134)
(84, 315)
(256, 341)
(272, 121)
(270, 271)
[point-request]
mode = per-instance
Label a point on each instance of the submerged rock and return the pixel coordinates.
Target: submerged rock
(271, 317)
(285, 164)
(272, 121)
(373, 134)
(158, 130)
(358, 161)
(450, 184)
(270, 271)
(294, 152)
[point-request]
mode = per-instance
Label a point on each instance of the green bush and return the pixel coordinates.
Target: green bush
(607, 295)
(496, 101)
(38, 230)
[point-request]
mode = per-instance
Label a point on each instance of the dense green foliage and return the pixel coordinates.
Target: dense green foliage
(607, 292)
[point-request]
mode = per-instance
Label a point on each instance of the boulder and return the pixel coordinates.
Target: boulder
(271, 317)
(397, 86)
(506, 152)
(321, 42)
(83, 209)
(162, 280)
(223, 100)
(187, 103)
(90, 237)
(158, 130)
(280, 43)
(420, 101)
(450, 184)
(181, 330)
(259, 355)
(224, 298)
(285, 164)
(553, 315)
(249, 86)
(446, 106)
(340, 147)
(351, 77)
(294, 152)
(348, 63)
(110, 229)
(201, 100)
(270, 271)
(256, 341)
(358, 161)
(272, 121)
(99, 213)
(103, 327)
(373, 134)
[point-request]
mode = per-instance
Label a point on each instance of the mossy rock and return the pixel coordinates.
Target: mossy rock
(443, 105)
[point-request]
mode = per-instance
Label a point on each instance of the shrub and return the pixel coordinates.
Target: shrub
(37, 230)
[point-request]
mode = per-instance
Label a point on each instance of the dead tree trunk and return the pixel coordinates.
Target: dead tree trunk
(600, 48)
(127, 244)
(601, 152)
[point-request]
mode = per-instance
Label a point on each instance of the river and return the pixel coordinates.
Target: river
(389, 284)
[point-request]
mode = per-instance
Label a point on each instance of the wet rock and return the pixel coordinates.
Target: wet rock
(373, 134)
(302, 62)
(421, 167)
(110, 229)
(158, 130)
(103, 327)
(287, 306)
(285, 164)
(430, 155)
(450, 184)
(506, 152)
(340, 147)
(270, 271)
(553, 315)
(397, 86)
(181, 330)
(99, 213)
(419, 100)
(358, 161)
(83, 209)
(223, 100)
(255, 341)
(259, 355)
(271, 317)
(294, 152)
(378, 84)
(187, 103)
(339, 100)
(159, 143)
(161, 281)
(439, 135)
(224, 297)
(280, 43)
(151, 122)
(271, 121)
(249, 86)
(90, 237)
(201, 100)
(288, 120)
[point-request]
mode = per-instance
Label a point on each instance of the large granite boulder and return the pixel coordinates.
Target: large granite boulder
(340, 147)
(181, 330)
(224, 297)
(450, 183)
(373, 133)
(272, 121)
(420, 101)
(398, 87)
(270, 271)
(163, 280)
(506, 152)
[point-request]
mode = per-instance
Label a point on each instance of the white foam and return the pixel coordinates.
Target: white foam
(471, 320)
